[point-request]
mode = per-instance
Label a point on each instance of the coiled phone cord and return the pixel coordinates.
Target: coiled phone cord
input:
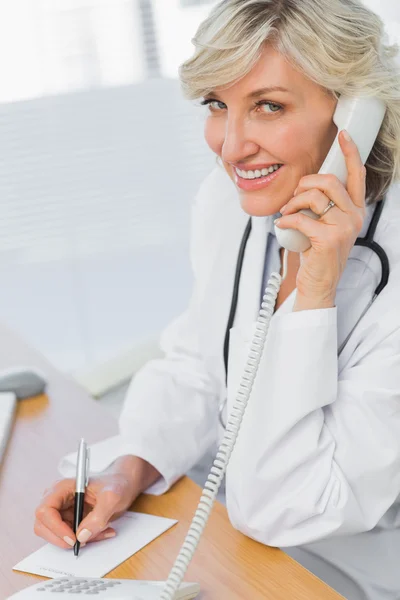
(225, 448)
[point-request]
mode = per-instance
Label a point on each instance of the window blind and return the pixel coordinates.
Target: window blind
(100, 158)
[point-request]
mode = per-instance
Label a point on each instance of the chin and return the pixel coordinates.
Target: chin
(256, 205)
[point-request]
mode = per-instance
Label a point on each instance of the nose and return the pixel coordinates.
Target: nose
(237, 143)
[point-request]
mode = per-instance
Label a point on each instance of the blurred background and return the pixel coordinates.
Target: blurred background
(100, 158)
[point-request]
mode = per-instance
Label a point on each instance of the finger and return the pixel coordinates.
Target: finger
(311, 228)
(329, 185)
(314, 199)
(103, 535)
(48, 512)
(356, 180)
(51, 518)
(60, 495)
(97, 520)
(44, 532)
(68, 516)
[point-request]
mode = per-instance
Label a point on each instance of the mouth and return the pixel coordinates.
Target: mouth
(255, 179)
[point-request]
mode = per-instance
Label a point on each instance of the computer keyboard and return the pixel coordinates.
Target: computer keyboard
(119, 589)
(8, 404)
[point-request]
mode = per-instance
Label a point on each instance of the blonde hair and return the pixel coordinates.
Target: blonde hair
(338, 44)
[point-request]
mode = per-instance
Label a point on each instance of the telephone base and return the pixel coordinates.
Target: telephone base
(89, 587)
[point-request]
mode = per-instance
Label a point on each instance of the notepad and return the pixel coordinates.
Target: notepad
(134, 531)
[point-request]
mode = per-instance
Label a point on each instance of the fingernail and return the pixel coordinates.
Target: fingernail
(68, 540)
(84, 535)
(283, 208)
(276, 222)
(110, 534)
(346, 136)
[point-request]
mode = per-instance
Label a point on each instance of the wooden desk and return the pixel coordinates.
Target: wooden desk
(227, 564)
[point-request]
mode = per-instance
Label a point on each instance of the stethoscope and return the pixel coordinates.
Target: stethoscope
(367, 242)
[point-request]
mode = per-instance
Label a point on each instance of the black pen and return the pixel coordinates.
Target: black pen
(82, 479)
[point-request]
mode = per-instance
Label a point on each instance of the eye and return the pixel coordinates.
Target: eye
(217, 105)
(263, 103)
(214, 105)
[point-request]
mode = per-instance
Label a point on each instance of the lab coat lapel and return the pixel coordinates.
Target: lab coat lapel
(248, 304)
(355, 289)
(252, 273)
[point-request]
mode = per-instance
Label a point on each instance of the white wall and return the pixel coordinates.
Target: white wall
(96, 190)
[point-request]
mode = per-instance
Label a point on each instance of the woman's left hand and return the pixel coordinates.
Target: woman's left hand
(333, 235)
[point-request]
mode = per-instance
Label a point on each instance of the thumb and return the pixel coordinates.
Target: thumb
(97, 520)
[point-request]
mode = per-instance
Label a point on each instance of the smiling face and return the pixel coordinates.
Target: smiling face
(287, 131)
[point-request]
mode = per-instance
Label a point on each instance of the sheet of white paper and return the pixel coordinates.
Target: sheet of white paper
(134, 530)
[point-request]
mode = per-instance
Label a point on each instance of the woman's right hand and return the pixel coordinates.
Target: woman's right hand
(107, 496)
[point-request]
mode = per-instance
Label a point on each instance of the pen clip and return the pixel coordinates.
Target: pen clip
(87, 466)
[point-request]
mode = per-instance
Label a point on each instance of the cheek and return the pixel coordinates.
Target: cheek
(302, 145)
(214, 134)
(293, 142)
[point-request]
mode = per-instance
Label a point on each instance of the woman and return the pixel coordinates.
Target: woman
(316, 469)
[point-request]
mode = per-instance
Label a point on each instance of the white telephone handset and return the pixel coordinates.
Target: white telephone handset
(362, 118)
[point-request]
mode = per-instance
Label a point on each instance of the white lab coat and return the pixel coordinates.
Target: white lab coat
(317, 461)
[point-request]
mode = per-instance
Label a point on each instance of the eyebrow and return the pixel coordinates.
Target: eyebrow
(257, 93)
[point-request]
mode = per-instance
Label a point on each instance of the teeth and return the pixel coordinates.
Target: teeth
(257, 173)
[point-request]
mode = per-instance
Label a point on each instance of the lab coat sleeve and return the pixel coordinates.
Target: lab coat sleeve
(170, 413)
(318, 454)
